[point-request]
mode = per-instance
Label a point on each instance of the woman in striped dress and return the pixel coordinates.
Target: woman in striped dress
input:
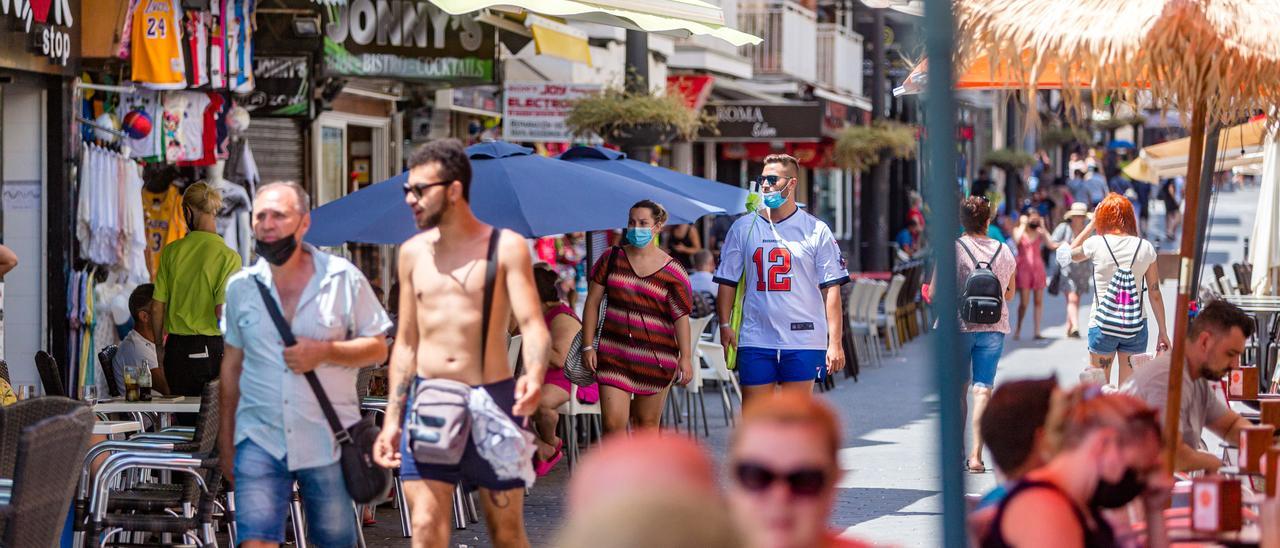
(646, 345)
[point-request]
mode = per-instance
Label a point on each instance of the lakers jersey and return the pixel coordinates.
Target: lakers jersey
(165, 223)
(157, 44)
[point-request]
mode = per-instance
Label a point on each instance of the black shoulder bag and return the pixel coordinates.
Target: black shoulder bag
(365, 480)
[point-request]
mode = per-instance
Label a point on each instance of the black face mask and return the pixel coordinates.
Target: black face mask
(1116, 495)
(279, 251)
(189, 218)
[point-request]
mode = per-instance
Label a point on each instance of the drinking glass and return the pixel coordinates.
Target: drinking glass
(26, 391)
(89, 393)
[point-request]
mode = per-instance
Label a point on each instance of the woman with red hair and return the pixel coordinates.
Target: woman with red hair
(1123, 270)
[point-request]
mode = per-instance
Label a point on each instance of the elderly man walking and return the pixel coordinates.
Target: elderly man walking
(274, 432)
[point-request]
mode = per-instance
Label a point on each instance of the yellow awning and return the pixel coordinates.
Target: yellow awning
(674, 17)
(1237, 146)
(559, 40)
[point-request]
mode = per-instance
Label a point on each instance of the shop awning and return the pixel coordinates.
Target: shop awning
(674, 17)
(1237, 146)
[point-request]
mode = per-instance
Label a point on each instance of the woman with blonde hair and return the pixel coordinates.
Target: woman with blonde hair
(191, 284)
(1124, 277)
(1107, 453)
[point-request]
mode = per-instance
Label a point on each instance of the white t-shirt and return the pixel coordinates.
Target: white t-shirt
(1104, 266)
(783, 307)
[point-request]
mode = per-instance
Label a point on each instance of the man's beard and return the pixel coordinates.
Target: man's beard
(1209, 375)
(432, 220)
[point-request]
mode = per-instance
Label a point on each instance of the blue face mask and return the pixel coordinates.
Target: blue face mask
(639, 237)
(773, 200)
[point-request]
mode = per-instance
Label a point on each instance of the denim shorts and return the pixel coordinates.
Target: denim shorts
(264, 486)
(1106, 345)
(984, 349)
(759, 366)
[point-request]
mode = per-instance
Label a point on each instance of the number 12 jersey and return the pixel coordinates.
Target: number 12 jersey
(785, 268)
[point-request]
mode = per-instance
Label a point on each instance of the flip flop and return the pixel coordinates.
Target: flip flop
(542, 468)
(981, 468)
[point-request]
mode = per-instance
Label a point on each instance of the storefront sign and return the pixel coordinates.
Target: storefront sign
(282, 86)
(758, 121)
(836, 117)
(38, 29)
(407, 39)
(534, 112)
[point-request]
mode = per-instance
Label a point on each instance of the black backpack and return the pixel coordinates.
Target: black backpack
(982, 297)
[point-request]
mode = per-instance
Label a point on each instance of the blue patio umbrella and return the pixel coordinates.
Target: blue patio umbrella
(1119, 144)
(732, 199)
(511, 187)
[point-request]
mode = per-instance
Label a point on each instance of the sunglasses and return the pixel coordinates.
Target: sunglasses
(805, 482)
(420, 189)
(771, 180)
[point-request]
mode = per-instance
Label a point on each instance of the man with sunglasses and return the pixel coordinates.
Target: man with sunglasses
(784, 472)
(452, 328)
(791, 269)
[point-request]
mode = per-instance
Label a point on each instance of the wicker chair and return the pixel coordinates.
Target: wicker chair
(107, 358)
(50, 377)
(42, 489)
(4, 371)
(16, 417)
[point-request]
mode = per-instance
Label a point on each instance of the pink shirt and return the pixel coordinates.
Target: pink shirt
(1003, 265)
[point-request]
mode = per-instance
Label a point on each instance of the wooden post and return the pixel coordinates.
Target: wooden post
(1195, 159)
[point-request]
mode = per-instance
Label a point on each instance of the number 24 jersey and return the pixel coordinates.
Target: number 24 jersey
(782, 306)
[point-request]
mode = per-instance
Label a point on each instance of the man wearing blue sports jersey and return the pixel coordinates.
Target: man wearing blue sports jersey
(792, 269)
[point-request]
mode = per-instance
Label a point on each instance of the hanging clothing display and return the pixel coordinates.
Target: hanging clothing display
(165, 223)
(147, 149)
(233, 219)
(241, 167)
(156, 44)
(110, 224)
(239, 40)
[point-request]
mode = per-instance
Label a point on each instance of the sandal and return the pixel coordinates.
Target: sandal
(979, 469)
(542, 468)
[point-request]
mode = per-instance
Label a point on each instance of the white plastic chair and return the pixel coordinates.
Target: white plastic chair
(888, 319)
(694, 388)
(714, 367)
(573, 410)
(870, 312)
(860, 327)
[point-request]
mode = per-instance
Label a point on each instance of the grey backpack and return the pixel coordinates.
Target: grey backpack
(439, 422)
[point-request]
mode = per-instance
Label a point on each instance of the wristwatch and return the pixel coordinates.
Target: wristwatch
(586, 348)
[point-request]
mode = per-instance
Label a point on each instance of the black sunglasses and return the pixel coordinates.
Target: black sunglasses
(419, 189)
(770, 180)
(805, 482)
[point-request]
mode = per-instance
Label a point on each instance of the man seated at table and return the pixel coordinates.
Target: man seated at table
(1215, 341)
(139, 347)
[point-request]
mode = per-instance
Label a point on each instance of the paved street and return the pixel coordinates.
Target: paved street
(890, 492)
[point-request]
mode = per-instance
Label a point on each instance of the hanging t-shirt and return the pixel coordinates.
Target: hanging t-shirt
(147, 148)
(217, 45)
(156, 44)
(165, 223)
(196, 42)
(184, 113)
(206, 154)
(232, 219)
(239, 43)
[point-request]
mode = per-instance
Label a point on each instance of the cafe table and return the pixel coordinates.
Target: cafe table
(116, 428)
(164, 406)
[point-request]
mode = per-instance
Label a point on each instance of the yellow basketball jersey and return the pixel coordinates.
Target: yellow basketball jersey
(165, 224)
(157, 44)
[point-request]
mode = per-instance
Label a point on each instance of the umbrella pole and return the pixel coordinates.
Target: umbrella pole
(1173, 404)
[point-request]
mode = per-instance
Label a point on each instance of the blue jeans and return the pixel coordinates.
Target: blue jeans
(264, 485)
(984, 349)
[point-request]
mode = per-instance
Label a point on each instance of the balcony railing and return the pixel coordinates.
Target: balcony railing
(839, 58)
(789, 30)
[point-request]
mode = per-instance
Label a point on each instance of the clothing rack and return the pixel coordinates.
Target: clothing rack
(79, 85)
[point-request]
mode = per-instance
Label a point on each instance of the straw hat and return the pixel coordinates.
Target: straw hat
(1078, 209)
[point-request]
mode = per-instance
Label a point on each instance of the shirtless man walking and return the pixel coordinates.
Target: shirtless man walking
(442, 279)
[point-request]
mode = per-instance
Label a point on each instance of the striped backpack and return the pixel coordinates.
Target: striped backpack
(1119, 311)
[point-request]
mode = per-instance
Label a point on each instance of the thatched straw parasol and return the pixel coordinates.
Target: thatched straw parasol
(1216, 59)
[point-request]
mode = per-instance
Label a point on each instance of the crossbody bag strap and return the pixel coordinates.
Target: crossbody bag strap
(490, 279)
(286, 335)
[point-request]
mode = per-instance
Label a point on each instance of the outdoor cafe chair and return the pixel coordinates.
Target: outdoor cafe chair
(14, 418)
(871, 315)
(42, 488)
(712, 365)
(107, 359)
(50, 377)
(694, 388)
(578, 415)
(4, 372)
(149, 498)
(888, 320)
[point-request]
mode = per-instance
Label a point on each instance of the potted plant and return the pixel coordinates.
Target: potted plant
(1059, 136)
(1012, 162)
(636, 118)
(860, 147)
